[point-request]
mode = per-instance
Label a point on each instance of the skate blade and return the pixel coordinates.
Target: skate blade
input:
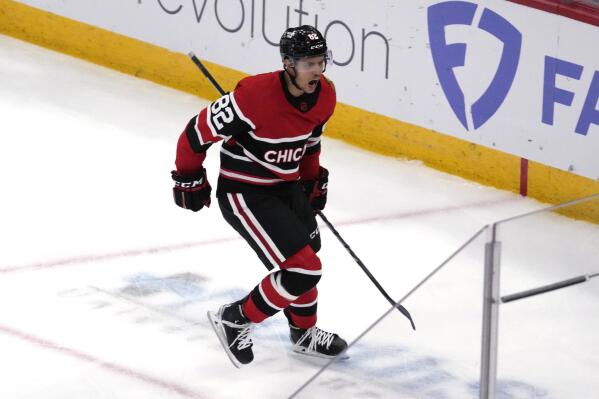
(305, 352)
(220, 333)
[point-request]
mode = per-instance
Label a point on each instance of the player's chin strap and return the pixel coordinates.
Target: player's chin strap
(292, 78)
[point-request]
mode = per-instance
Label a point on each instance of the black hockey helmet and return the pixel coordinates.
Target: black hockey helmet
(303, 41)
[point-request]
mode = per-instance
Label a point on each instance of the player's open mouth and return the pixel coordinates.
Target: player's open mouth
(313, 82)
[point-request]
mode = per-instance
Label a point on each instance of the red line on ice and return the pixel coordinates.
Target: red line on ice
(112, 255)
(145, 251)
(422, 212)
(98, 362)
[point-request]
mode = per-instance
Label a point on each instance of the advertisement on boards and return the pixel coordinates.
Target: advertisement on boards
(492, 72)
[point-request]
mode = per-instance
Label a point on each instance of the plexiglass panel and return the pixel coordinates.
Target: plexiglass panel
(439, 360)
(549, 343)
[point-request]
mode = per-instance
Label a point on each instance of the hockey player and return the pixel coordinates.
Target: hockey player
(270, 183)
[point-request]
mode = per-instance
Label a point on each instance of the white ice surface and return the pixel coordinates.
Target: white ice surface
(105, 283)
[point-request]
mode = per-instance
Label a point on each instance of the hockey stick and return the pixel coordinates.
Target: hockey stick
(399, 307)
(206, 73)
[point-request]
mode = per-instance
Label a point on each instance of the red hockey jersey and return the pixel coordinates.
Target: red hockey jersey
(270, 137)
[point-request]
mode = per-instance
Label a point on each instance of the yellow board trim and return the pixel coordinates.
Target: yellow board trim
(364, 129)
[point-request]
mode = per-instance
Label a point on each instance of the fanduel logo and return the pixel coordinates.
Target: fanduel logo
(448, 56)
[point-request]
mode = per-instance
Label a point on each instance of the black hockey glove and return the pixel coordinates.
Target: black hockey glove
(191, 192)
(316, 190)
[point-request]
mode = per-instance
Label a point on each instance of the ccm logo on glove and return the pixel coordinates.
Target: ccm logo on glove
(317, 189)
(191, 192)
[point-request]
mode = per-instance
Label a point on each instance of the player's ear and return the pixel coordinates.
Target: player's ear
(287, 62)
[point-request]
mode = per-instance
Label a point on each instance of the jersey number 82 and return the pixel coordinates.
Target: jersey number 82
(221, 112)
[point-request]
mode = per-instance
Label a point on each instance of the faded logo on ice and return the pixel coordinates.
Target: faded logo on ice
(448, 56)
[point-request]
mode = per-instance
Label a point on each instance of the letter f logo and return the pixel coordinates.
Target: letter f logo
(448, 56)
